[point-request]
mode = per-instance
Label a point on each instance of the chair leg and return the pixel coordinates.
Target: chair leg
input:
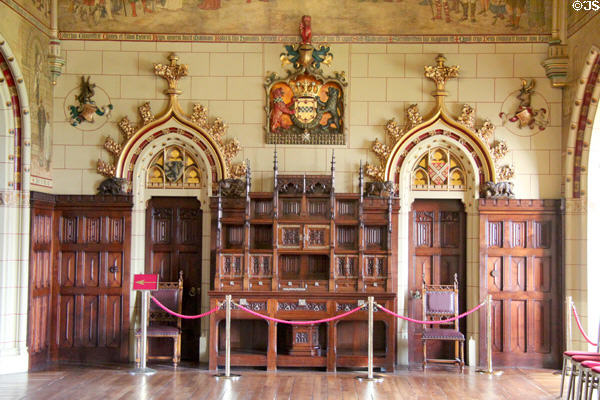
(577, 394)
(462, 356)
(571, 388)
(175, 359)
(562, 376)
(424, 354)
(178, 348)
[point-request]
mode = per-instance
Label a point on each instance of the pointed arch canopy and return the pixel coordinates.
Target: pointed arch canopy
(440, 123)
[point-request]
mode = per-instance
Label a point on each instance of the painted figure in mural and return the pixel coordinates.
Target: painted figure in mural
(305, 29)
(468, 5)
(144, 5)
(43, 137)
(498, 8)
(331, 106)
(278, 109)
(210, 5)
(485, 5)
(515, 10)
(438, 10)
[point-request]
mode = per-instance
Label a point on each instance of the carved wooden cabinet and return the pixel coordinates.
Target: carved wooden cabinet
(302, 252)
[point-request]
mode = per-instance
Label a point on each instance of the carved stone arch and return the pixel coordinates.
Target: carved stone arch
(468, 145)
(584, 109)
(15, 122)
(195, 128)
(156, 136)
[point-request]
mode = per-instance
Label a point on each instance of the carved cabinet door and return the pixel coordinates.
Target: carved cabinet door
(173, 244)
(437, 252)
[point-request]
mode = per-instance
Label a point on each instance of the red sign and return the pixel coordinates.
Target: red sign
(145, 282)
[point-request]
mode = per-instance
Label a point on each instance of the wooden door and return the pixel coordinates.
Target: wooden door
(173, 244)
(40, 279)
(437, 250)
(521, 269)
(91, 278)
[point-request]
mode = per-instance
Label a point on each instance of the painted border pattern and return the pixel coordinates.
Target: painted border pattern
(17, 8)
(582, 125)
(236, 38)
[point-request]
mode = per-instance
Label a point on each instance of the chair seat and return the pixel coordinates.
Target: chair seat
(443, 334)
(160, 330)
(586, 358)
(580, 353)
(590, 364)
(596, 370)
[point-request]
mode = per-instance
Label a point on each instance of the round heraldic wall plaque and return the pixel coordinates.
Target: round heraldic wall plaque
(87, 107)
(525, 112)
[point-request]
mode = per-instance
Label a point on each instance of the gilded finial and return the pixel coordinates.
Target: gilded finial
(172, 72)
(440, 73)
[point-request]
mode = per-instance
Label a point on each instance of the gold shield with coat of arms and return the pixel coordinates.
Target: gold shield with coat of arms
(306, 109)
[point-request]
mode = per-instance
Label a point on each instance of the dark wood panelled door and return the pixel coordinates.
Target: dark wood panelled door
(91, 277)
(173, 244)
(40, 278)
(437, 251)
(521, 269)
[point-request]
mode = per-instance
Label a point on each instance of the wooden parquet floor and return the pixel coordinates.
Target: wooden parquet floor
(114, 382)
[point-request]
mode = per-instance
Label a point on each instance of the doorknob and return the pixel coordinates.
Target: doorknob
(415, 294)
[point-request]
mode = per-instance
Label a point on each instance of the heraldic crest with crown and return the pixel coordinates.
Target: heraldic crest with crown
(305, 107)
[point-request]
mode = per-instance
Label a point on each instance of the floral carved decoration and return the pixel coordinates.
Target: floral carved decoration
(395, 132)
(216, 129)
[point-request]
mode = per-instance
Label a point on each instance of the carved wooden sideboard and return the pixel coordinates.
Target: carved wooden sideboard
(302, 252)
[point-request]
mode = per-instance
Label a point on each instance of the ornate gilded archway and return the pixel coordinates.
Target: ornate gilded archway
(207, 136)
(478, 143)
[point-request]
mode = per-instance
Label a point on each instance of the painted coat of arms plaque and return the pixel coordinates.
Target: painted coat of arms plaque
(305, 107)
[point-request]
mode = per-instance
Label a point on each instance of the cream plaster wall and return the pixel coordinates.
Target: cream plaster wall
(383, 81)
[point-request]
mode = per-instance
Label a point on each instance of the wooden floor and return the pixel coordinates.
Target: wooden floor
(114, 382)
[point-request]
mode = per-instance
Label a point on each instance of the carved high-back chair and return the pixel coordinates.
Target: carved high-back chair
(162, 324)
(441, 302)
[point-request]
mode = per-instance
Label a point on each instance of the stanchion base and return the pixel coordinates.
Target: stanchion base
(365, 378)
(487, 372)
(142, 371)
(231, 377)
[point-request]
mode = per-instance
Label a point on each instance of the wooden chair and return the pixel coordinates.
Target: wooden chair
(162, 324)
(441, 302)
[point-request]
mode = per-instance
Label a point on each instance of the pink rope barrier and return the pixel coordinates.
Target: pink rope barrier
(416, 321)
(580, 327)
(158, 303)
(283, 321)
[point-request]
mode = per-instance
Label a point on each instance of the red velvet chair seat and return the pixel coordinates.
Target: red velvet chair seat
(580, 353)
(443, 334)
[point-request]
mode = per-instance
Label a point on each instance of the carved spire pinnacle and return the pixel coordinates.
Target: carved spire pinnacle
(440, 73)
(171, 72)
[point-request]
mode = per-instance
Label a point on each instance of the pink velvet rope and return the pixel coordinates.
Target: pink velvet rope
(580, 327)
(158, 303)
(416, 321)
(283, 321)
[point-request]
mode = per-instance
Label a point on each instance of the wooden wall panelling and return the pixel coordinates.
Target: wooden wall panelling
(521, 267)
(40, 278)
(90, 296)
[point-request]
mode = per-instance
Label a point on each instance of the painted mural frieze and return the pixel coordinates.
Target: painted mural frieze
(439, 167)
(270, 19)
(306, 106)
(174, 166)
(524, 112)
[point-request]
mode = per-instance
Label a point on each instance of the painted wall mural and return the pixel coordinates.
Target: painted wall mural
(332, 17)
(39, 9)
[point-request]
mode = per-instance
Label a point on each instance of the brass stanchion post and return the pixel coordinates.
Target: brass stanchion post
(227, 374)
(143, 370)
(569, 322)
(370, 377)
(489, 370)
